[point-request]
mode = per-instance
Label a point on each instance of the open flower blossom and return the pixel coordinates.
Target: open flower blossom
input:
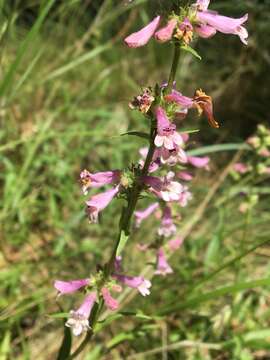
(165, 188)
(98, 179)
(209, 22)
(167, 227)
(78, 319)
(99, 202)
(137, 282)
(163, 268)
(201, 101)
(167, 136)
(185, 196)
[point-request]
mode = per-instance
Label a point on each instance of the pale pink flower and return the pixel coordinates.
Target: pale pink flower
(155, 164)
(202, 5)
(166, 131)
(184, 175)
(205, 31)
(78, 320)
(98, 179)
(137, 282)
(164, 188)
(141, 37)
(110, 302)
(185, 196)
(264, 152)
(199, 161)
(175, 244)
(223, 24)
(165, 34)
(68, 287)
(167, 227)
(241, 168)
(171, 157)
(144, 214)
(99, 202)
(163, 268)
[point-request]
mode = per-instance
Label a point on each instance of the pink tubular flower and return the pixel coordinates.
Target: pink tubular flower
(199, 162)
(98, 179)
(144, 214)
(241, 168)
(78, 319)
(205, 31)
(167, 227)
(141, 38)
(184, 175)
(110, 302)
(175, 244)
(166, 134)
(68, 287)
(165, 188)
(137, 282)
(185, 196)
(165, 34)
(169, 157)
(223, 24)
(98, 202)
(163, 268)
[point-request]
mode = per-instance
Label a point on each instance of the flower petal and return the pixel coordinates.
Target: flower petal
(141, 37)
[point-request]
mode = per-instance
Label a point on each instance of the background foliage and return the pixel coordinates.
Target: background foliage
(66, 80)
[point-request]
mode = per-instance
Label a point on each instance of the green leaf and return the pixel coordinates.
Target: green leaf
(137, 133)
(8, 77)
(119, 338)
(100, 325)
(213, 295)
(59, 315)
(122, 243)
(191, 50)
(216, 148)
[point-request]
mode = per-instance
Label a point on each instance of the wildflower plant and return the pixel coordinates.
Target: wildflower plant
(162, 174)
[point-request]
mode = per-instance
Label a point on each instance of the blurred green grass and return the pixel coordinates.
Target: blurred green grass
(66, 80)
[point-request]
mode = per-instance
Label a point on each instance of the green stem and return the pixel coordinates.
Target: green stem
(127, 212)
(176, 57)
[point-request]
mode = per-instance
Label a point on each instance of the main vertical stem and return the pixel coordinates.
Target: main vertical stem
(176, 57)
(128, 211)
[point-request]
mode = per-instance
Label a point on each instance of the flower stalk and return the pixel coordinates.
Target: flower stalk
(128, 211)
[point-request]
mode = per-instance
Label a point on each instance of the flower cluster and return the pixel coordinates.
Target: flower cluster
(196, 19)
(162, 173)
(98, 288)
